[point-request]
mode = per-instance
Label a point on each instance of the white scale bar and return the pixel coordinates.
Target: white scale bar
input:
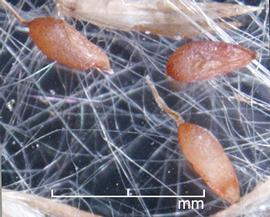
(127, 196)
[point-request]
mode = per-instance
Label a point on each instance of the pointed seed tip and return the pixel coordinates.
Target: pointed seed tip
(109, 71)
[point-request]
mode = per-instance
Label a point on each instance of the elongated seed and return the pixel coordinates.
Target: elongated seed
(196, 61)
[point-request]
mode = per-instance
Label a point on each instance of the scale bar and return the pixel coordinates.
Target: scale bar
(126, 196)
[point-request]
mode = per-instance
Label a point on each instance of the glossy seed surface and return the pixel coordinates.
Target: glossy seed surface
(208, 159)
(61, 42)
(196, 61)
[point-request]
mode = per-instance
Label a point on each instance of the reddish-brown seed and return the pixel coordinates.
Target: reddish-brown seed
(208, 159)
(61, 42)
(204, 60)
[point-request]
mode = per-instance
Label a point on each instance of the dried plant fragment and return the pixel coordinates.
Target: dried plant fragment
(208, 159)
(21, 204)
(151, 15)
(255, 203)
(61, 42)
(196, 61)
(206, 155)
